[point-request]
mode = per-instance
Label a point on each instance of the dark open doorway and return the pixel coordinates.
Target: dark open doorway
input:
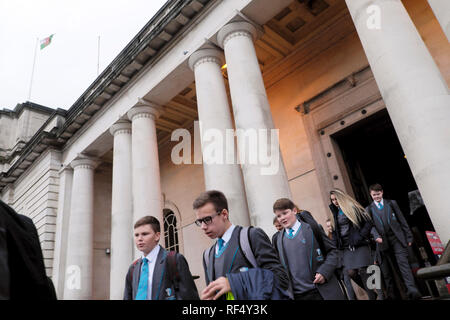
(372, 154)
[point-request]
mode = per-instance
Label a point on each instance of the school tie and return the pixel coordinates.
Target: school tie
(143, 281)
(380, 206)
(291, 232)
(220, 242)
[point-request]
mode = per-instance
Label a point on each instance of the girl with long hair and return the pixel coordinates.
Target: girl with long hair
(352, 226)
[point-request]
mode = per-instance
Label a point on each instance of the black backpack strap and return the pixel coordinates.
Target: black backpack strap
(317, 231)
(132, 269)
(172, 270)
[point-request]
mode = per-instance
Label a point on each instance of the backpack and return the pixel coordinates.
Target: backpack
(172, 271)
(247, 251)
(244, 244)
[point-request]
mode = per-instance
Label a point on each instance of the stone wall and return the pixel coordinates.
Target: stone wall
(36, 196)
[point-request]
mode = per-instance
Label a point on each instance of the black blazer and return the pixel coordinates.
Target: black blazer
(357, 236)
(162, 286)
(396, 220)
(22, 269)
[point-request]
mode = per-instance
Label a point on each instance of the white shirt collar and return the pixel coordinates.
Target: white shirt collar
(295, 226)
(227, 235)
(376, 203)
(152, 254)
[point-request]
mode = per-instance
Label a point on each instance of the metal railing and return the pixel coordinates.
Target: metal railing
(438, 273)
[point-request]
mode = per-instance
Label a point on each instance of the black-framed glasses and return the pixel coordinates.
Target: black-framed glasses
(206, 220)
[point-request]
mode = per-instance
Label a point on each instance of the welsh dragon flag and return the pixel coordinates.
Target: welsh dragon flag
(46, 41)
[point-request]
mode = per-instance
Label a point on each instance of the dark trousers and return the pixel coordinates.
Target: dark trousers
(397, 253)
(345, 282)
(308, 295)
(360, 277)
(348, 286)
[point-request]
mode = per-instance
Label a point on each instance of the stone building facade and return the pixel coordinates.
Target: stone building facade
(313, 69)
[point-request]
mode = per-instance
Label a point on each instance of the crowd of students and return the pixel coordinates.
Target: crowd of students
(302, 262)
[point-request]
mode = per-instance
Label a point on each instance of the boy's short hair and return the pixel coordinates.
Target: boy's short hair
(376, 187)
(275, 220)
(283, 204)
(215, 197)
(152, 221)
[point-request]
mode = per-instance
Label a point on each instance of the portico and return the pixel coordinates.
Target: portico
(238, 65)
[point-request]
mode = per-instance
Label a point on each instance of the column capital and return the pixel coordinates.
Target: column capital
(84, 162)
(235, 29)
(145, 109)
(65, 168)
(206, 55)
(121, 126)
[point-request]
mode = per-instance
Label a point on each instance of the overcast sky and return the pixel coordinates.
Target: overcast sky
(65, 68)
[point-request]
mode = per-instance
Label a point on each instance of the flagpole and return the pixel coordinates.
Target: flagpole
(98, 55)
(32, 70)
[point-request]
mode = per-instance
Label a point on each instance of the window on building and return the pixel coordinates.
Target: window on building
(170, 230)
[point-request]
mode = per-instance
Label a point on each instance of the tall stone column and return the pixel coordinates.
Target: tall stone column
(147, 196)
(80, 246)
(417, 99)
(215, 117)
(121, 209)
(252, 113)
(62, 225)
(441, 9)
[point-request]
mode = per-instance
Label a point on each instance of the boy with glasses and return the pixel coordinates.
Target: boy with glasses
(226, 258)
